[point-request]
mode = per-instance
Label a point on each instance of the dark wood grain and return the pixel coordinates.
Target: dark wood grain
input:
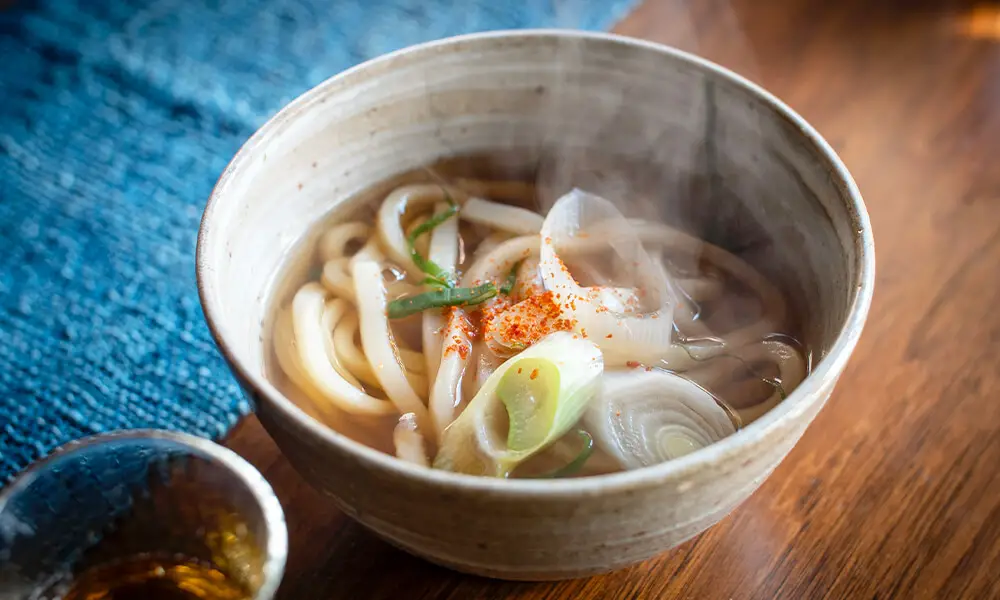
(894, 492)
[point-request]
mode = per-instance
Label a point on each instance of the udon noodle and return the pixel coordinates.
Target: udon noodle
(462, 330)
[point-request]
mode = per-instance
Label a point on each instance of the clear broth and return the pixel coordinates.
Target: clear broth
(303, 265)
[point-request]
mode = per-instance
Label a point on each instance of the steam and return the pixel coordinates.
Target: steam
(676, 145)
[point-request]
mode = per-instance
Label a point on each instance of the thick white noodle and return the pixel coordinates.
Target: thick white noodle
(308, 307)
(390, 230)
(286, 351)
(350, 355)
(498, 261)
(504, 217)
(443, 252)
(333, 313)
(486, 363)
(376, 341)
(408, 441)
(432, 333)
(488, 244)
(337, 278)
(422, 243)
(528, 279)
(332, 250)
(334, 242)
(772, 301)
(345, 343)
(494, 265)
(446, 394)
(335, 341)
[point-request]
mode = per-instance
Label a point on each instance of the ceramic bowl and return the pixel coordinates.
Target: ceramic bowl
(709, 148)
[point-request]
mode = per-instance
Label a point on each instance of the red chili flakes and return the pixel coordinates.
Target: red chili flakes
(609, 336)
(632, 364)
(527, 321)
(458, 343)
(519, 370)
(490, 311)
(534, 374)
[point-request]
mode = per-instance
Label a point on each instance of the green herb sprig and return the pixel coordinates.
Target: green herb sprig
(436, 275)
(439, 298)
(511, 281)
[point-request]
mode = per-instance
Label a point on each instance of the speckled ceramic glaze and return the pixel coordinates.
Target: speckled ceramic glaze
(717, 152)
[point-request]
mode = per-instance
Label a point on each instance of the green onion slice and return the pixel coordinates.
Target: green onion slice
(508, 284)
(439, 298)
(537, 395)
(437, 276)
(573, 467)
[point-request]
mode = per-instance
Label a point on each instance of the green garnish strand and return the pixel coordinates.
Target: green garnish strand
(508, 284)
(436, 276)
(432, 222)
(439, 298)
(435, 282)
(574, 466)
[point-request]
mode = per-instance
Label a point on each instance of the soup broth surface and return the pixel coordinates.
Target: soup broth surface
(462, 317)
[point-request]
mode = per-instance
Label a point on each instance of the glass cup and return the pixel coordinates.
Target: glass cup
(144, 514)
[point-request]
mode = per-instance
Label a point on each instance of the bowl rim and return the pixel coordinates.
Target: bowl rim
(272, 514)
(798, 402)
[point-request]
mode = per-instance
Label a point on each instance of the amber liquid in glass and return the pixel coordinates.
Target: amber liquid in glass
(156, 578)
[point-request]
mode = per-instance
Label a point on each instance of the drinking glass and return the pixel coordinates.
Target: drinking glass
(145, 512)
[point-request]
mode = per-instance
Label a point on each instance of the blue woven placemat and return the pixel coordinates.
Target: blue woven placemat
(116, 117)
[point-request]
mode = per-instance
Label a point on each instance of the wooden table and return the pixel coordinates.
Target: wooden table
(894, 492)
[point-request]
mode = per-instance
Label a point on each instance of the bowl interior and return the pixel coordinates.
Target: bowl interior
(670, 135)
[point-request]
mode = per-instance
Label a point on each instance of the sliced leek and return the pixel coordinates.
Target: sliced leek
(528, 403)
(642, 418)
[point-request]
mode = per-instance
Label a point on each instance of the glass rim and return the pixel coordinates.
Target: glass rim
(276, 550)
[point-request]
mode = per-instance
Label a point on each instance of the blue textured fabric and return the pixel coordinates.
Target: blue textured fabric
(116, 118)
